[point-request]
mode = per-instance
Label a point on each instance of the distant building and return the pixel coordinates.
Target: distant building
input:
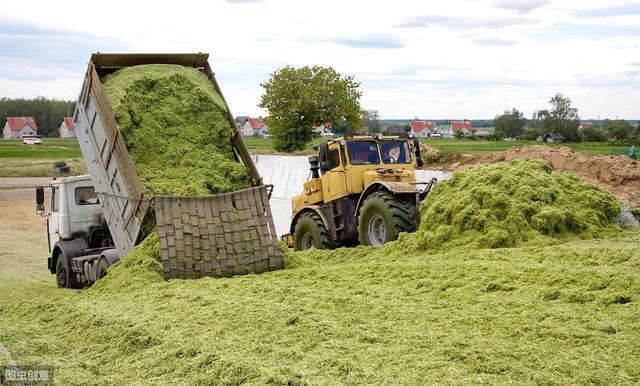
(396, 130)
(18, 127)
(252, 127)
(463, 126)
(585, 125)
(324, 130)
(554, 138)
(66, 128)
(423, 128)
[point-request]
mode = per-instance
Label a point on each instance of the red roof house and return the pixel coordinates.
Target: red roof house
(18, 127)
(423, 128)
(465, 126)
(253, 127)
(585, 125)
(66, 128)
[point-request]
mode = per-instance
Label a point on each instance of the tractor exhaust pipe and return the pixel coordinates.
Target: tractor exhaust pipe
(314, 166)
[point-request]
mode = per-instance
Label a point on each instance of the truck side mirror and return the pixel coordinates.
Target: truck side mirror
(40, 200)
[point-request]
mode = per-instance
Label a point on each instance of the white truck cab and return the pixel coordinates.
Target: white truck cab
(79, 241)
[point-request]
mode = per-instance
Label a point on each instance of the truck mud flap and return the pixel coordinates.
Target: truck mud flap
(222, 235)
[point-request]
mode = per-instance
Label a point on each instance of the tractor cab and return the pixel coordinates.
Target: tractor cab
(374, 173)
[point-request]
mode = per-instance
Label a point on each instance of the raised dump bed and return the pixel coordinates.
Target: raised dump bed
(231, 233)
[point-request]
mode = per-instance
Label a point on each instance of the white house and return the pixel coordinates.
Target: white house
(254, 127)
(18, 127)
(324, 130)
(66, 128)
(423, 128)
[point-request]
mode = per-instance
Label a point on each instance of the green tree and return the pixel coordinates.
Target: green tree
(621, 130)
(297, 98)
(562, 119)
(593, 133)
(370, 119)
(509, 124)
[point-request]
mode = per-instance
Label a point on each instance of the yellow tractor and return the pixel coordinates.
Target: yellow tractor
(362, 190)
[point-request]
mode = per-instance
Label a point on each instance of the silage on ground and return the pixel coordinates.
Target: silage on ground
(511, 204)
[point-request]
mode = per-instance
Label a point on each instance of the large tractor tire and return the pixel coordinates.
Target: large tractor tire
(383, 216)
(65, 278)
(311, 232)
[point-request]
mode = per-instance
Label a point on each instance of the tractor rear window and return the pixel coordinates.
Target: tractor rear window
(363, 152)
(86, 195)
(395, 152)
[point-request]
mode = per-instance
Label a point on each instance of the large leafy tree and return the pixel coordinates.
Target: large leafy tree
(562, 118)
(370, 119)
(298, 98)
(510, 124)
(621, 130)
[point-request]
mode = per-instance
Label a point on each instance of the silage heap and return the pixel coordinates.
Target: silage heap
(176, 130)
(175, 127)
(511, 204)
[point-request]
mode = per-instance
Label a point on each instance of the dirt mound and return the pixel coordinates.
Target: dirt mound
(619, 175)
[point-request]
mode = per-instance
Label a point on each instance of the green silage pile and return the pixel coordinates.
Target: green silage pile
(176, 130)
(512, 204)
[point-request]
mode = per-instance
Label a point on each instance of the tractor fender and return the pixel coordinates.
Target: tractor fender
(403, 188)
(308, 209)
(71, 248)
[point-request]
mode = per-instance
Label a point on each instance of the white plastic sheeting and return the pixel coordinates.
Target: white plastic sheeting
(287, 174)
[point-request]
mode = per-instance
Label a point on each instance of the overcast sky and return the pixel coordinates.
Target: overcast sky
(444, 59)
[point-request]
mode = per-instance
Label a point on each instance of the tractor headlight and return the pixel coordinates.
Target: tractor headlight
(413, 149)
(343, 142)
(410, 134)
(378, 136)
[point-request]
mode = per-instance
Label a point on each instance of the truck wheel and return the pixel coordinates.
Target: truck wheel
(65, 278)
(310, 232)
(383, 216)
(102, 268)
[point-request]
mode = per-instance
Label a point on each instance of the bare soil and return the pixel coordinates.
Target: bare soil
(618, 174)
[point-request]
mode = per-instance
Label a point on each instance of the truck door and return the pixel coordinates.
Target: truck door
(53, 222)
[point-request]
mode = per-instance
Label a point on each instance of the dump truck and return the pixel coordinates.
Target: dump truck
(96, 220)
(362, 190)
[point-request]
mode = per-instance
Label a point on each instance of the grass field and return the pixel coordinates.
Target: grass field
(566, 314)
(17, 159)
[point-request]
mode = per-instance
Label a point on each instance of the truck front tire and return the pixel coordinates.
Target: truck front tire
(310, 232)
(383, 216)
(65, 278)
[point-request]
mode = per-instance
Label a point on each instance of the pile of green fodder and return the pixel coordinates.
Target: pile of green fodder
(176, 130)
(512, 204)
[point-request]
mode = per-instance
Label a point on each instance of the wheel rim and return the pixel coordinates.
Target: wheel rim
(377, 231)
(307, 241)
(62, 277)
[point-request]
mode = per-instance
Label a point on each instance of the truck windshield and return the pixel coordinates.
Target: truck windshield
(363, 152)
(395, 152)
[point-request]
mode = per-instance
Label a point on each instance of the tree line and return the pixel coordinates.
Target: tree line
(48, 113)
(562, 118)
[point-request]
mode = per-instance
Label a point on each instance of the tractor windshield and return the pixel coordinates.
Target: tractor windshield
(363, 152)
(395, 152)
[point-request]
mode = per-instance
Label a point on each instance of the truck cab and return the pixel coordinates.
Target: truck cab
(77, 236)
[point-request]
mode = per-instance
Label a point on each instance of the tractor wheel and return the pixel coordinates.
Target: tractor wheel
(65, 278)
(383, 216)
(102, 268)
(311, 232)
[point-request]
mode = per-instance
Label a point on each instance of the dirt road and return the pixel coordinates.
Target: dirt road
(20, 188)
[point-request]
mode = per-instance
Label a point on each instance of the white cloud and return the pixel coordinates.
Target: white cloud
(457, 58)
